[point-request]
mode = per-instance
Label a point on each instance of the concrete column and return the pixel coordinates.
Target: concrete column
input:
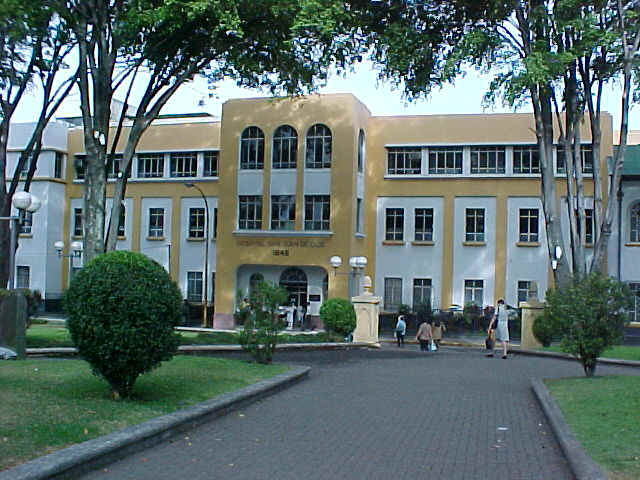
(531, 309)
(367, 310)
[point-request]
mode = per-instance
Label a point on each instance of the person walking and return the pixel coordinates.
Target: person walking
(401, 329)
(500, 322)
(424, 335)
(437, 330)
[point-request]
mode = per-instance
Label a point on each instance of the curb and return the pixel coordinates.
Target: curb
(92, 454)
(581, 464)
(224, 348)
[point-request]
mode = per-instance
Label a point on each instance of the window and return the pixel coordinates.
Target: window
(361, 146)
(283, 212)
(473, 292)
(25, 168)
(156, 222)
(445, 160)
(121, 222)
(115, 167)
(196, 222)
(79, 162)
(526, 159)
(194, 286)
(77, 222)
(635, 290)
(392, 294)
(421, 292)
(423, 224)
(26, 223)
(316, 212)
(487, 160)
(252, 149)
(634, 223)
(394, 224)
(586, 154)
(183, 164)
(529, 224)
(526, 290)
(285, 147)
(404, 160)
(210, 164)
(250, 212)
(150, 165)
(474, 225)
(359, 217)
(588, 219)
(318, 147)
(23, 274)
(57, 166)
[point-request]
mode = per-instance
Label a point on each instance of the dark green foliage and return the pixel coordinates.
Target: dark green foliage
(338, 316)
(472, 316)
(404, 309)
(424, 312)
(543, 330)
(122, 308)
(262, 322)
(589, 314)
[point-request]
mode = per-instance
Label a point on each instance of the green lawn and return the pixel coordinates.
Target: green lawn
(48, 404)
(620, 351)
(603, 414)
(41, 336)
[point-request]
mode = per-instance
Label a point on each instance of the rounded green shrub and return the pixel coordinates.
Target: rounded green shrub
(338, 316)
(122, 308)
(542, 329)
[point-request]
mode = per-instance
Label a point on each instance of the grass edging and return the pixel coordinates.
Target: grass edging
(86, 456)
(581, 464)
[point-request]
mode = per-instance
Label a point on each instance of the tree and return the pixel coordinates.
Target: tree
(262, 324)
(588, 314)
(34, 45)
(557, 54)
(275, 46)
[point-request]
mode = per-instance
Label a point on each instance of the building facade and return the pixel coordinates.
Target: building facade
(444, 208)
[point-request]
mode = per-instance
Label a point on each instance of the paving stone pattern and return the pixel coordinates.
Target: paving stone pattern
(385, 414)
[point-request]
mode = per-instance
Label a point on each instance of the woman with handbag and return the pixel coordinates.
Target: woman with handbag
(436, 331)
(501, 322)
(424, 336)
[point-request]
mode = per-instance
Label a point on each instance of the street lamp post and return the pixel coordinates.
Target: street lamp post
(357, 265)
(23, 202)
(76, 252)
(206, 252)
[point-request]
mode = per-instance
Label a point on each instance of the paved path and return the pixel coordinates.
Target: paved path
(383, 414)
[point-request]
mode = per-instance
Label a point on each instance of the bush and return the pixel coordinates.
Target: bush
(338, 316)
(122, 308)
(542, 329)
(472, 316)
(404, 309)
(262, 323)
(424, 312)
(589, 314)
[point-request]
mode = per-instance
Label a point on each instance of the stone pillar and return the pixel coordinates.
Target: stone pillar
(13, 323)
(367, 310)
(531, 309)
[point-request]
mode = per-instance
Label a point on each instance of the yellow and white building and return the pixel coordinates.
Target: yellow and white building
(444, 207)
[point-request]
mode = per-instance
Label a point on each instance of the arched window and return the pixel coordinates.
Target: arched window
(361, 151)
(254, 281)
(252, 149)
(285, 147)
(634, 222)
(294, 281)
(318, 147)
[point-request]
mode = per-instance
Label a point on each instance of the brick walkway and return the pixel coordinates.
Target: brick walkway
(386, 414)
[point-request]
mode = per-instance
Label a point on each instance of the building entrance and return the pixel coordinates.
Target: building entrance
(294, 281)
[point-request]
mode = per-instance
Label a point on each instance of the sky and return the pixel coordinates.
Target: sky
(465, 96)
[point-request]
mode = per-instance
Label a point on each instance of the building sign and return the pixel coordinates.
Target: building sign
(266, 242)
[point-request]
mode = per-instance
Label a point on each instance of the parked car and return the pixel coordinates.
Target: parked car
(7, 354)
